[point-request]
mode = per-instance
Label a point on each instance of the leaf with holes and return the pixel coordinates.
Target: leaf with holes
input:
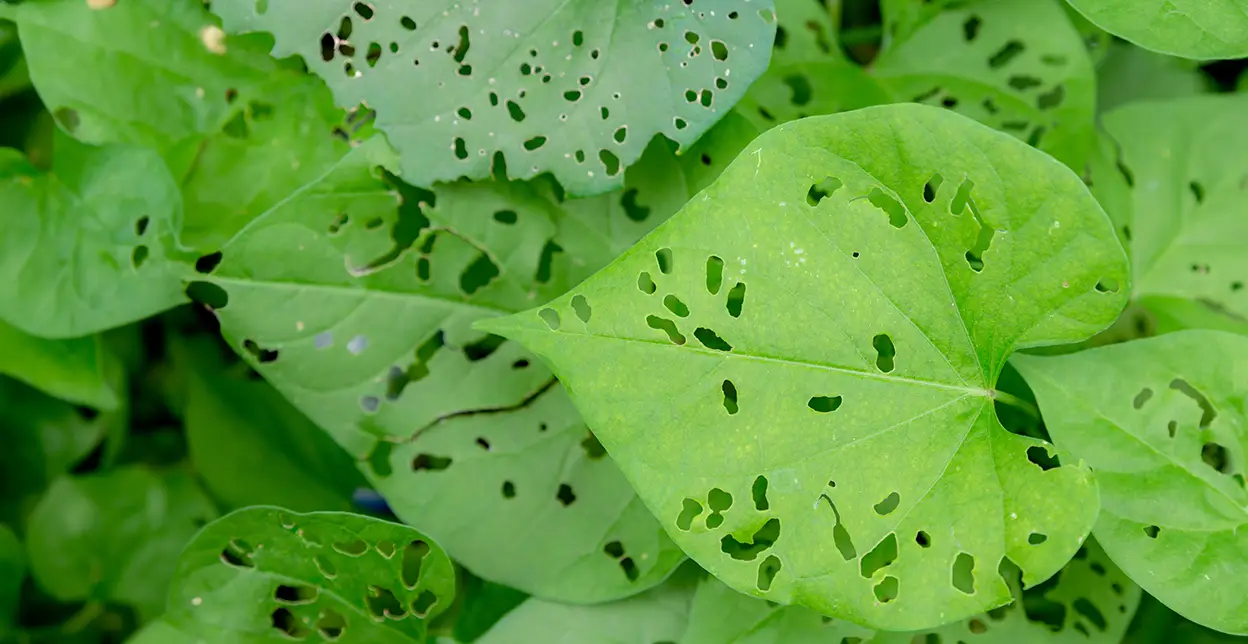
(1162, 422)
(262, 574)
(373, 341)
(1178, 195)
(251, 447)
(468, 479)
(86, 247)
(12, 572)
(1202, 29)
(1016, 65)
(657, 616)
(805, 355)
(157, 73)
(114, 536)
(576, 88)
(1090, 600)
(71, 369)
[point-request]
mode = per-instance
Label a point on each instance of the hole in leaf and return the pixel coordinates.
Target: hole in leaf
(138, 256)
(610, 162)
(730, 397)
(711, 340)
(963, 574)
(330, 624)
(930, 188)
(762, 539)
(962, 197)
(840, 536)
(759, 492)
(1009, 52)
(1198, 191)
(505, 217)
(885, 352)
(824, 404)
(1151, 531)
(799, 85)
(714, 274)
(286, 622)
(1107, 285)
(1051, 98)
(430, 462)
(646, 284)
(382, 603)
(736, 299)
(479, 273)
(263, 356)
(882, 555)
(581, 306)
(238, 553)
(664, 258)
(550, 317)
(297, 594)
(1142, 397)
(1040, 456)
(1023, 82)
(1091, 613)
(424, 602)
(887, 590)
(767, 572)
(1216, 456)
(923, 539)
(632, 209)
(970, 28)
(1208, 414)
(325, 566)
(896, 212)
(821, 190)
(690, 509)
(565, 494)
(889, 504)
(1037, 538)
(674, 305)
(593, 448)
(667, 326)
(534, 143)
(208, 263)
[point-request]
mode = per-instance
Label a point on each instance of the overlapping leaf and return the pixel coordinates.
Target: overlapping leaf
(806, 354)
(1180, 197)
(70, 369)
(1016, 65)
(1131, 73)
(358, 308)
(1163, 424)
(264, 574)
(575, 88)
(87, 247)
(1201, 29)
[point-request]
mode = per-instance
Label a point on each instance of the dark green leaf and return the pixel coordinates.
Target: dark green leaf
(12, 573)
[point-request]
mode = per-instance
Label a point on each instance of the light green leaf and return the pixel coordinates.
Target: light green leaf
(1090, 600)
(72, 369)
(86, 247)
(114, 536)
(150, 72)
(576, 88)
(1162, 422)
(1202, 29)
(1015, 65)
(1131, 73)
(359, 310)
(469, 479)
(1170, 314)
(657, 616)
(12, 573)
(1185, 211)
(251, 447)
(265, 574)
(45, 437)
(759, 442)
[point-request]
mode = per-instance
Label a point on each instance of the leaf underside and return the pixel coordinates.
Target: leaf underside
(574, 88)
(804, 357)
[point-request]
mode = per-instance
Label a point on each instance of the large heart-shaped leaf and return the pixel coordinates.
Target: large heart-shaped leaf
(86, 247)
(576, 88)
(1016, 65)
(1089, 601)
(805, 355)
(1180, 196)
(264, 574)
(1162, 422)
(359, 310)
(1202, 29)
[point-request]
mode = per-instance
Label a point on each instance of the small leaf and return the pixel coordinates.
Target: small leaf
(86, 247)
(263, 573)
(916, 335)
(71, 369)
(1186, 28)
(1162, 423)
(550, 88)
(114, 536)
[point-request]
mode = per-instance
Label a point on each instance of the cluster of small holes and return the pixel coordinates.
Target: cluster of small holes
(676, 307)
(1212, 454)
(755, 543)
(616, 551)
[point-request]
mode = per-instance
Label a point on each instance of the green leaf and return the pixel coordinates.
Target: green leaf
(657, 616)
(72, 369)
(86, 247)
(1015, 65)
(759, 443)
(1170, 314)
(471, 478)
(1183, 206)
(251, 447)
(1189, 28)
(12, 573)
(1162, 422)
(1131, 73)
(575, 88)
(45, 437)
(1090, 600)
(114, 536)
(149, 72)
(484, 603)
(262, 574)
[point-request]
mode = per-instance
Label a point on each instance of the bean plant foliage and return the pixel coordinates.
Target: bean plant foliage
(642, 322)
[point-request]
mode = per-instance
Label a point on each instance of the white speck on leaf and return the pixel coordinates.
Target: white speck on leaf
(213, 39)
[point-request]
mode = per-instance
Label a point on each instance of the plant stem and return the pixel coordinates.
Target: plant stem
(1018, 403)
